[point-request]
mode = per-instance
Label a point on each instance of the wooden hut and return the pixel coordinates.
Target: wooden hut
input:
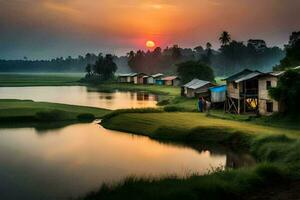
(152, 79)
(247, 92)
(171, 80)
(197, 88)
(138, 78)
(126, 78)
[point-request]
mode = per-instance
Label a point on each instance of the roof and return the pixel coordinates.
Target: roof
(277, 73)
(248, 76)
(238, 75)
(220, 88)
(170, 78)
(129, 74)
(196, 83)
(195, 80)
(156, 75)
(244, 75)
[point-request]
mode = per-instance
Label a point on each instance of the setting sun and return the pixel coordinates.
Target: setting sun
(150, 44)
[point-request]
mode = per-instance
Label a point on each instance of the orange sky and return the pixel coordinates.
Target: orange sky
(117, 25)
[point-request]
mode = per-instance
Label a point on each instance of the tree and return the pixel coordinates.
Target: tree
(292, 58)
(287, 92)
(225, 38)
(192, 69)
(206, 58)
(105, 67)
(88, 69)
(208, 46)
(176, 53)
(199, 49)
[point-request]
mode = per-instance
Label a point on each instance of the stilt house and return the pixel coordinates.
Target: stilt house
(247, 92)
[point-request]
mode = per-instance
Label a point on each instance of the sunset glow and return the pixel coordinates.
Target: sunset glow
(77, 26)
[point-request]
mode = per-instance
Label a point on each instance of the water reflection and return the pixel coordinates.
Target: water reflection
(73, 160)
(81, 95)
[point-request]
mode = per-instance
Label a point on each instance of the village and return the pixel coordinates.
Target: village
(245, 92)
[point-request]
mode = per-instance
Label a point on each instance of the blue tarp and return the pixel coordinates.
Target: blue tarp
(220, 88)
(218, 93)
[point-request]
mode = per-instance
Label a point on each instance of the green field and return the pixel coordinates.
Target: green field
(166, 90)
(148, 123)
(29, 111)
(45, 79)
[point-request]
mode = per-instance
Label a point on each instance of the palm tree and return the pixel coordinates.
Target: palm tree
(225, 38)
(208, 46)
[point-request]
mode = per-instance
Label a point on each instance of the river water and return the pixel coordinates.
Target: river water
(63, 162)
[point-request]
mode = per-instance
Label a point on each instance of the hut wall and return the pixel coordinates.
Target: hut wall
(159, 82)
(150, 80)
(176, 82)
(140, 80)
(217, 97)
(190, 92)
(123, 79)
(262, 87)
(202, 90)
(135, 80)
(234, 92)
(168, 82)
(264, 97)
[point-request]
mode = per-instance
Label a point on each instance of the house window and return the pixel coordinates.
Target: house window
(235, 85)
(268, 85)
(269, 106)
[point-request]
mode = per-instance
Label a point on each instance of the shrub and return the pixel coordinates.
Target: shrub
(163, 102)
(173, 109)
(86, 117)
(53, 115)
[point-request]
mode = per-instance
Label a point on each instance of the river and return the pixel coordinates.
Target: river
(72, 160)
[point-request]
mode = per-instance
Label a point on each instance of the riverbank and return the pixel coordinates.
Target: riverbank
(39, 79)
(15, 111)
(276, 149)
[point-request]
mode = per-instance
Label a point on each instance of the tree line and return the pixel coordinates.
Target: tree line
(231, 57)
(68, 64)
(103, 69)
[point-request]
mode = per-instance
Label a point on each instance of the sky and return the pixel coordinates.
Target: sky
(43, 29)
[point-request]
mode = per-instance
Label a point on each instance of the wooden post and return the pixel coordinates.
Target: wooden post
(239, 106)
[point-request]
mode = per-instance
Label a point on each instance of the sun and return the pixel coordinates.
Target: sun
(150, 44)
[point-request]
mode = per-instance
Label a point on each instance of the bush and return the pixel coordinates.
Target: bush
(86, 117)
(173, 109)
(163, 102)
(53, 115)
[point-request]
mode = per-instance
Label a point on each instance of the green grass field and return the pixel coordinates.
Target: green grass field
(27, 111)
(44, 79)
(148, 123)
(166, 90)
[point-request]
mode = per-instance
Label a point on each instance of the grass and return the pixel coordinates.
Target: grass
(47, 79)
(230, 184)
(277, 149)
(148, 123)
(166, 90)
(14, 111)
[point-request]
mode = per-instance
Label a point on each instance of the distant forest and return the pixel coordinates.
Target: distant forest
(231, 57)
(61, 64)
